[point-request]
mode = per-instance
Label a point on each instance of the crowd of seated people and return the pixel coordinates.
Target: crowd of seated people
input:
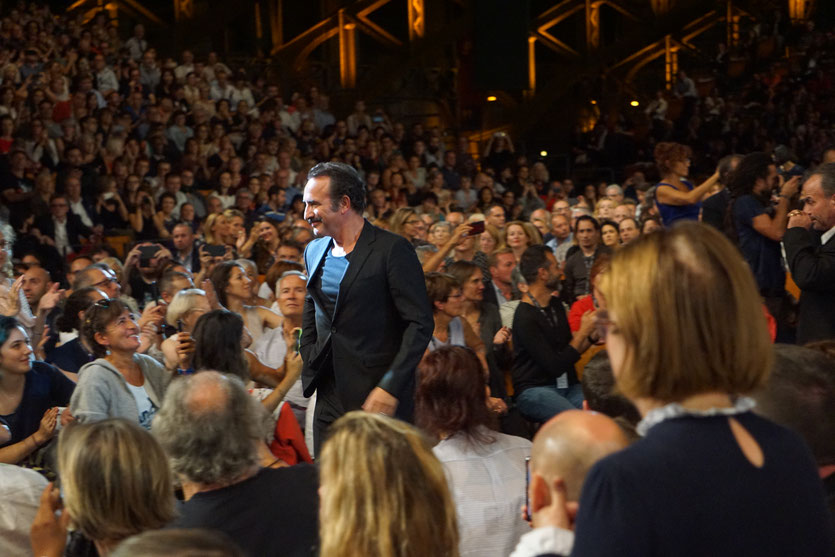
(152, 295)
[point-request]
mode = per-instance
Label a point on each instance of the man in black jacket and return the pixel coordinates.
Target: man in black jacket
(62, 229)
(367, 319)
(811, 256)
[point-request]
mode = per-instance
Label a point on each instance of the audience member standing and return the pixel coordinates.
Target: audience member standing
(709, 477)
(811, 257)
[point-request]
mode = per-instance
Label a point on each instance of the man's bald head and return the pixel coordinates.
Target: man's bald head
(571, 443)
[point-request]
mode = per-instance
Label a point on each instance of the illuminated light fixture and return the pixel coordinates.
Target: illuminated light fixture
(492, 99)
(593, 101)
(634, 103)
(350, 26)
(543, 153)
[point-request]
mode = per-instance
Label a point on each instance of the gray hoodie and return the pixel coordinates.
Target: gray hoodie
(102, 392)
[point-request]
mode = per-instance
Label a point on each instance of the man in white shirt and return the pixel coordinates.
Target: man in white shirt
(137, 45)
(106, 81)
(181, 71)
(221, 88)
(563, 239)
(72, 187)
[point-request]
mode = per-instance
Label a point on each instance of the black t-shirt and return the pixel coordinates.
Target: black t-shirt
(45, 387)
(275, 513)
(763, 254)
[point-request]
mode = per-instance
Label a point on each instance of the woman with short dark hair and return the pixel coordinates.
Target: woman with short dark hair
(485, 469)
(121, 383)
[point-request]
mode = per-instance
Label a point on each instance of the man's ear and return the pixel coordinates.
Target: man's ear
(538, 494)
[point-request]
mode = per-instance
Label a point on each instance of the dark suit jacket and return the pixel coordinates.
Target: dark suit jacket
(813, 270)
(382, 320)
(75, 228)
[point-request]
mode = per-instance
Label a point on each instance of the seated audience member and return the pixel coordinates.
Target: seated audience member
(172, 282)
(396, 503)
(218, 336)
(234, 292)
(115, 482)
(750, 487)
(592, 300)
(600, 395)
(98, 276)
(564, 450)
(178, 543)
(71, 354)
(218, 345)
(485, 469)
(451, 329)
(485, 321)
(278, 345)
(812, 261)
(211, 428)
(609, 234)
(30, 394)
(800, 395)
(544, 379)
(120, 383)
(182, 313)
(20, 494)
(281, 266)
(628, 229)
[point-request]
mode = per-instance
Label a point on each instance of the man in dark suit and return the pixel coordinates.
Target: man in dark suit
(62, 229)
(811, 257)
(367, 319)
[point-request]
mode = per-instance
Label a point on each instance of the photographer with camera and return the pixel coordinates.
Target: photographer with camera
(758, 227)
(143, 267)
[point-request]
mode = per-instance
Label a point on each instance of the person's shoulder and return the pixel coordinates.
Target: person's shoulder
(510, 442)
(97, 368)
(44, 369)
(301, 477)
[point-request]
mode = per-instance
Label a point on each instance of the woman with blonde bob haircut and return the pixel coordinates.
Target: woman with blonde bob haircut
(393, 501)
(687, 340)
(115, 483)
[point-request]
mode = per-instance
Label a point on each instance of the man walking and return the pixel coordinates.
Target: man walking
(367, 319)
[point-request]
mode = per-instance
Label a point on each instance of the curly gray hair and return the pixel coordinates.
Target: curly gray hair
(209, 426)
(9, 236)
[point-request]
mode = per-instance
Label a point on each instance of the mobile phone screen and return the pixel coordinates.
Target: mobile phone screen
(527, 484)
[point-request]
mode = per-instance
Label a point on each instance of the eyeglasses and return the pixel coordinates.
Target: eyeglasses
(105, 282)
(413, 221)
(57, 205)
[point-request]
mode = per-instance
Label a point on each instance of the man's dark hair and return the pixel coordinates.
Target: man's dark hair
(800, 395)
(345, 182)
(752, 166)
(184, 223)
(533, 259)
(599, 390)
(589, 218)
